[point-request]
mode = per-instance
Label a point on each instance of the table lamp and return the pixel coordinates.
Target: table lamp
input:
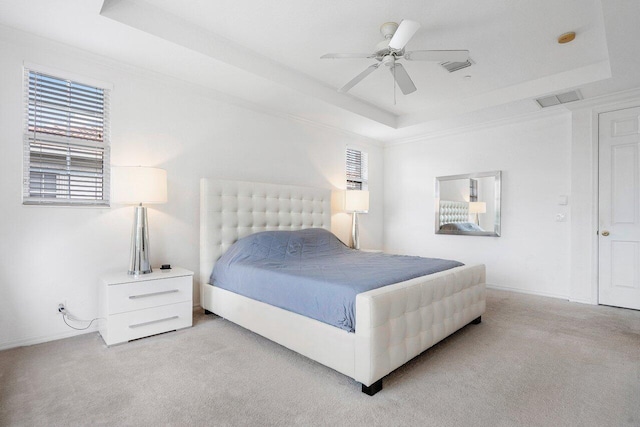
(477, 208)
(138, 185)
(356, 201)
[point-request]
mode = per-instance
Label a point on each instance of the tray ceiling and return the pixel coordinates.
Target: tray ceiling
(268, 54)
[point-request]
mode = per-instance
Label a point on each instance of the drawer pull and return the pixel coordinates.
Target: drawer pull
(153, 321)
(153, 294)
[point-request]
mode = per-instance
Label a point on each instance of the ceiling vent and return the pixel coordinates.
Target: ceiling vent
(562, 98)
(455, 66)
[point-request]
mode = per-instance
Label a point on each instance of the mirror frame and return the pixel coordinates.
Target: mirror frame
(497, 191)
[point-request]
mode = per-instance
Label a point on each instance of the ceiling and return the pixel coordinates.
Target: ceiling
(269, 57)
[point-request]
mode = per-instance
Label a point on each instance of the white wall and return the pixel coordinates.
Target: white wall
(533, 253)
(49, 255)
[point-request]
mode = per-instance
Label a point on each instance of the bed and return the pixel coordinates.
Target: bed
(394, 323)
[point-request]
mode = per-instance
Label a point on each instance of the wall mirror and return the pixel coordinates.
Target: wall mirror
(468, 204)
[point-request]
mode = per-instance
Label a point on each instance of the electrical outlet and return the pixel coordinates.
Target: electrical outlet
(62, 306)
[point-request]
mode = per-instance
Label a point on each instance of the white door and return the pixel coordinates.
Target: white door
(619, 228)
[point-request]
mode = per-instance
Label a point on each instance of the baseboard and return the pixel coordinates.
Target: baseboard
(528, 292)
(45, 338)
(583, 301)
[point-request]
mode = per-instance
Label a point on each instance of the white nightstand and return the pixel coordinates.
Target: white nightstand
(144, 305)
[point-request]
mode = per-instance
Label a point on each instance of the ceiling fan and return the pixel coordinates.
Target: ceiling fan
(389, 51)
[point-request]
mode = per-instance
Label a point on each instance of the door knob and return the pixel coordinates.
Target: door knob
(605, 233)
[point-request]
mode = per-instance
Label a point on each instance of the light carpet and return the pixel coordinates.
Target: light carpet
(533, 361)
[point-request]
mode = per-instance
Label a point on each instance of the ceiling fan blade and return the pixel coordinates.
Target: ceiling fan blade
(357, 79)
(437, 55)
(347, 55)
(402, 79)
(403, 34)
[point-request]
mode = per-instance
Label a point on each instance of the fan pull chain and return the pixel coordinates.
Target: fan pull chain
(394, 84)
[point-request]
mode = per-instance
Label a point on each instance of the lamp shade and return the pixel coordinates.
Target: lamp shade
(356, 201)
(477, 207)
(138, 184)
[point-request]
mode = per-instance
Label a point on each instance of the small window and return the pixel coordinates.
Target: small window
(357, 169)
(66, 142)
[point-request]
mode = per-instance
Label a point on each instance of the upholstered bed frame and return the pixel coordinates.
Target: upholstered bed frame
(393, 324)
(453, 212)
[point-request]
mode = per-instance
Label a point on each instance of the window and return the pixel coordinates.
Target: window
(66, 142)
(357, 169)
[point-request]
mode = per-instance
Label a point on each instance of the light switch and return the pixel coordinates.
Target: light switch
(563, 200)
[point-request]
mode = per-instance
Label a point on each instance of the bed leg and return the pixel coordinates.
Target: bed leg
(477, 321)
(207, 311)
(373, 388)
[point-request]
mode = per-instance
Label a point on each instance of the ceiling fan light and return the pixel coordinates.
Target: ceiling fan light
(391, 51)
(388, 29)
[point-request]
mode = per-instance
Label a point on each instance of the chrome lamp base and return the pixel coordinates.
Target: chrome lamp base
(139, 262)
(355, 232)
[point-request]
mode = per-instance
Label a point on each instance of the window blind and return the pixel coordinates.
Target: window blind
(357, 169)
(66, 142)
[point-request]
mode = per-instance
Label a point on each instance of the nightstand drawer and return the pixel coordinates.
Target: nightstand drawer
(123, 298)
(142, 323)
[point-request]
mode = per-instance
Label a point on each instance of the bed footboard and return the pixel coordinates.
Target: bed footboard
(398, 322)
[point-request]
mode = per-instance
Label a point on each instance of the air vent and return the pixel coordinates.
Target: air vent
(455, 66)
(562, 98)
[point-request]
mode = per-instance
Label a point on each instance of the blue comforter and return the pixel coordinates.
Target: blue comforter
(461, 226)
(311, 272)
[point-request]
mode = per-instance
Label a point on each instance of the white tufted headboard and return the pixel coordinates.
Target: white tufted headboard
(230, 210)
(453, 212)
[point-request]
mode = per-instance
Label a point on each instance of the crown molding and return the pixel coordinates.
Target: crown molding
(600, 103)
(163, 25)
(361, 138)
(520, 118)
(608, 100)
